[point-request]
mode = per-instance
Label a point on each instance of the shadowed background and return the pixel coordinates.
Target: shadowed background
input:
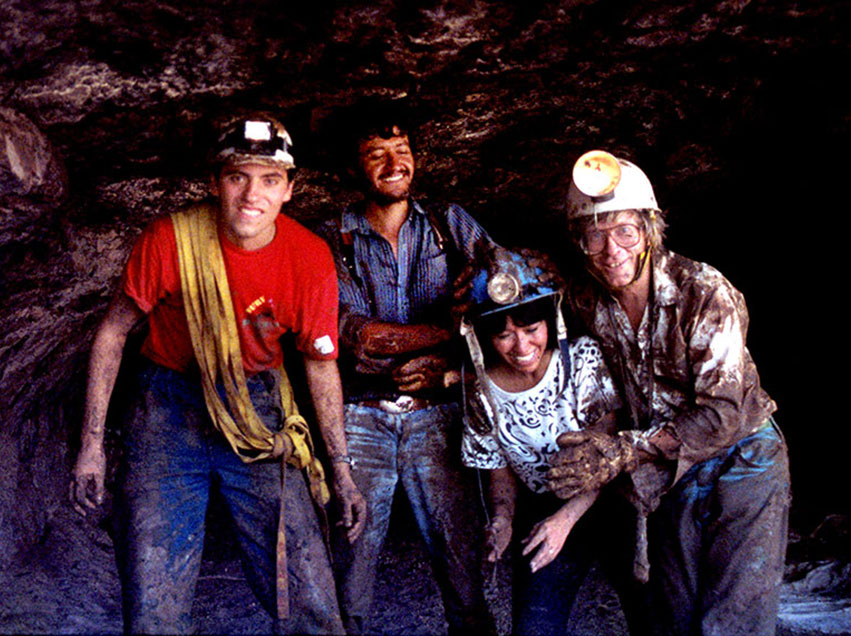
(735, 109)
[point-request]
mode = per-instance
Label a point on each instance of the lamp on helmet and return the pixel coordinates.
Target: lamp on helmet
(506, 281)
(604, 183)
(261, 140)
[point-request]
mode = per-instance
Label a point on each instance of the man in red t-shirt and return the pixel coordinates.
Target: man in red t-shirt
(195, 423)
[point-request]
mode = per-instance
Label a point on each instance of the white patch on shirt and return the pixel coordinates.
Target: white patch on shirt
(324, 345)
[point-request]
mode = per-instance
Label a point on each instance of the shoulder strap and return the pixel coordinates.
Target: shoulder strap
(347, 252)
(436, 215)
(347, 255)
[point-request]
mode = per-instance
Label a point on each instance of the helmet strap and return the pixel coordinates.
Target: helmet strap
(478, 359)
(642, 262)
(561, 334)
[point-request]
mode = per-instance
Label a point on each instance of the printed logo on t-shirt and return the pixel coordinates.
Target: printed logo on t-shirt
(324, 345)
(253, 306)
(260, 319)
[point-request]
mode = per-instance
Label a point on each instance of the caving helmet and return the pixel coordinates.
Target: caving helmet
(604, 183)
(260, 139)
(506, 281)
(503, 281)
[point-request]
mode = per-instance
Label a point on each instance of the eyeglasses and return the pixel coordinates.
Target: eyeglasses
(593, 241)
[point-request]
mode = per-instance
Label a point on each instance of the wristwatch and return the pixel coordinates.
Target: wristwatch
(344, 459)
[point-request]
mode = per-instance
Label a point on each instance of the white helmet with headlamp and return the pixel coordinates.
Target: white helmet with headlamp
(262, 140)
(603, 183)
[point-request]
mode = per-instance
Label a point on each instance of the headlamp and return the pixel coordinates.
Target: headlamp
(505, 279)
(596, 173)
(262, 139)
(503, 288)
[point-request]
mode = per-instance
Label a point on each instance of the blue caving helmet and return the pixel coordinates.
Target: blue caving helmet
(507, 280)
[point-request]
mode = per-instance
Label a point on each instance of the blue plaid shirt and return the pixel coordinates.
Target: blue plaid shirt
(413, 287)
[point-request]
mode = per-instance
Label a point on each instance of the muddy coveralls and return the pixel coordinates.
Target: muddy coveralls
(717, 540)
(414, 440)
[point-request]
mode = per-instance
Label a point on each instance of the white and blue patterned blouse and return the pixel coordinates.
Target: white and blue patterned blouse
(530, 421)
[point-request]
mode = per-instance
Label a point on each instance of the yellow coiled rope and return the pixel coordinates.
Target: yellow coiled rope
(212, 328)
(215, 341)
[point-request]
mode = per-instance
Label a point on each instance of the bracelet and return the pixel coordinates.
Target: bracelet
(343, 459)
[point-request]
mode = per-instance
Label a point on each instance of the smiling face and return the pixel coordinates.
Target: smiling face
(250, 199)
(387, 167)
(615, 265)
(522, 348)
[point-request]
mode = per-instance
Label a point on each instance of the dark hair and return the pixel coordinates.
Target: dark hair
(375, 117)
(521, 315)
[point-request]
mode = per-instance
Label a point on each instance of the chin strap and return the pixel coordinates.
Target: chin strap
(478, 360)
(645, 255)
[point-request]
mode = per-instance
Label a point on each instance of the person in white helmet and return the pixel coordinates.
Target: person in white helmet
(531, 386)
(703, 459)
(219, 285)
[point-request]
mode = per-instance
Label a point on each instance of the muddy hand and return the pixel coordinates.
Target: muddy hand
(461, 302)
(352, 505)
(548, 537)
(587, 461)
(497, 537)
(86, 489)
(422, 372)
(549, 274)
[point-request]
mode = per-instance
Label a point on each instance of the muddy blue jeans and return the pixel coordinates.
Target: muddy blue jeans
(422, 450)
(718, 542)
(605, 535)
(172, 458)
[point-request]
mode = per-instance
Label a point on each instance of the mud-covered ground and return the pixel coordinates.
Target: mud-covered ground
(58, 590)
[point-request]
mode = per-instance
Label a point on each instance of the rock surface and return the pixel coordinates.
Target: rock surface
(735, 109)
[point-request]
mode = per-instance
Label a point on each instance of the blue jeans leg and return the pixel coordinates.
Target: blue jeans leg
(542, 600)
(164, 489)
(447, 507)
(718, 542)
(173, 455)
(372, 442)
(417, 448)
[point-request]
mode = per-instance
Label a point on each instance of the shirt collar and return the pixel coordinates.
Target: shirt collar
(354, 220)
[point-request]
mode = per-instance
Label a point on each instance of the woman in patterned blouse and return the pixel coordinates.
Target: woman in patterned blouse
(525, 397)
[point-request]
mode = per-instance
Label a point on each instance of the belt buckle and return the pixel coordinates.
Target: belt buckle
(402, 404)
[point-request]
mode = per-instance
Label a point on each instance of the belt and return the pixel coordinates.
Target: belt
(402, 404)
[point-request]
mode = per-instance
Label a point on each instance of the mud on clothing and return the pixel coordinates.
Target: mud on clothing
(286, 286)
(421, 448)
(175, 455)
(173, 459)
(524, 438)
(531, 420)
(687, 369)
(412, 287)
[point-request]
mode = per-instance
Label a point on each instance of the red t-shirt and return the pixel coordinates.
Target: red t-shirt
(288, 285)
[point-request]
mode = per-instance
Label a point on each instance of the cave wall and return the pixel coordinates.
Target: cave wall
(734, 108)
